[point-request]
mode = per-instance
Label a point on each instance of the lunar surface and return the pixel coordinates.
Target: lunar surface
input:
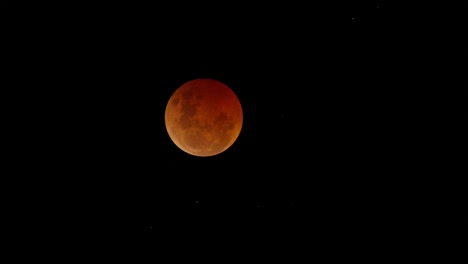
(203, 117)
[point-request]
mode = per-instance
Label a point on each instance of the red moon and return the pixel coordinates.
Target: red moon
(203, 117)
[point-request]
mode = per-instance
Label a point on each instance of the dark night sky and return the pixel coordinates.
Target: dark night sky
(320, 152)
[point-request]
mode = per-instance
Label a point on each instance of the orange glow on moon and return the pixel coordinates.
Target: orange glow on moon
(203, 117)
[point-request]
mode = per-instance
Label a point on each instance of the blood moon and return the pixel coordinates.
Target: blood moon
(203, 117)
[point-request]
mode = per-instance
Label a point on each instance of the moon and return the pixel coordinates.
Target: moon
(203, 117)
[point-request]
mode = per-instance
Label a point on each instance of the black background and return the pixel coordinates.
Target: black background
(325, 160)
